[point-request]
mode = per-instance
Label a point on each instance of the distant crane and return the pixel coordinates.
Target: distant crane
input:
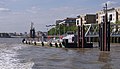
(32, 31)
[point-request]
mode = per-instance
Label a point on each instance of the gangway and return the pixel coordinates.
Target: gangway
(92, 30)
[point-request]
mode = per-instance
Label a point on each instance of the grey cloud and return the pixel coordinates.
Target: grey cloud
(4, 10)
(20, 21)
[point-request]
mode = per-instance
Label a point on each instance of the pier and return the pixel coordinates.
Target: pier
(90, 33)
(103, 33)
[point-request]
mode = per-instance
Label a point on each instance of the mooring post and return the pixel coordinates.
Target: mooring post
(107, 31)
(78, 36)
(83, 36)
(104, 33)
(108, 36)
(100, 37)
(103, 36)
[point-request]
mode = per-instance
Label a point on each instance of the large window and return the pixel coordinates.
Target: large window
(110, 17)
(77, 22)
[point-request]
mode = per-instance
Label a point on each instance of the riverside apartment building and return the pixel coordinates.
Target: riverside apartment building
(86, 19)
(114, 13)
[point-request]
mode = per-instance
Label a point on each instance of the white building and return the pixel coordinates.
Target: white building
(114, 13)
(86, 19)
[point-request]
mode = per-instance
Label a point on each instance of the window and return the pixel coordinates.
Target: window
(96, 21)
(96, 16)
(77, 22)
(103, 17)
(85, 18)
(110, 17)
(70, 20)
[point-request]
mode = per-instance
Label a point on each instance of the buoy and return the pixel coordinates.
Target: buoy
(56, 45)
(26, 42)
(60, 45)
(42, 44)
(29, 42)
(50, 44)
(23, 40)
(35, 43)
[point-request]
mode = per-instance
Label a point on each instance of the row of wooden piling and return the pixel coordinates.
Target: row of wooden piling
(57, 45)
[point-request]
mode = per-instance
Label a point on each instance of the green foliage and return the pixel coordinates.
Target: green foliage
(61, 29)
(51, 31)
(117, 22)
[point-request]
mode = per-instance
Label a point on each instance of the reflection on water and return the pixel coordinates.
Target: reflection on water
(105, 57)
(14, 55)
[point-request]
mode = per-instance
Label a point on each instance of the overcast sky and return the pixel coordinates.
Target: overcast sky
(17, 15)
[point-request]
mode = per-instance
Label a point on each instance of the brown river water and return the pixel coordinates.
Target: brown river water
(15, 55)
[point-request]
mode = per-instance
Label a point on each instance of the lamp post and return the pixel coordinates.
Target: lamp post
(64, 27)
(59, 30)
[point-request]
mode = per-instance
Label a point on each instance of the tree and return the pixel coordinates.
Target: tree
(61, 29)
(117, 22)
(51, 31)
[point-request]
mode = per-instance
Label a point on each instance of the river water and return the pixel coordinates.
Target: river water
(15, 55)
